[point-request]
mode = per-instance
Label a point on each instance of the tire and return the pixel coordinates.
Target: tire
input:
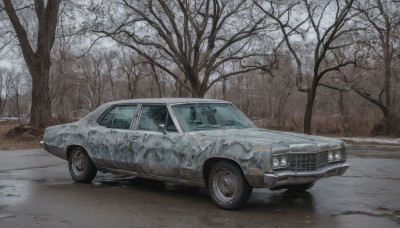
(301, 187)
(227, 186)
(80, 166)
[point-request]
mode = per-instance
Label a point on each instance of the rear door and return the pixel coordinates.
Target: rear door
(111, 142)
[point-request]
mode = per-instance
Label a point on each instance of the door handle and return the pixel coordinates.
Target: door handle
(134, 136)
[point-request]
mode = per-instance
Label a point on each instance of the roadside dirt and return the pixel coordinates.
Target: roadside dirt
(15, 135)
(355, 142)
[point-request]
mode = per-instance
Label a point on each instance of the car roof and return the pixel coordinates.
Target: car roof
(167, 101)
(93, 116)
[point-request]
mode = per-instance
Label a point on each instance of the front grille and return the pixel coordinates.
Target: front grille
(308, 162)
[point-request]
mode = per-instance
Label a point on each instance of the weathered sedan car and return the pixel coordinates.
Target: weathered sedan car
(199, 142)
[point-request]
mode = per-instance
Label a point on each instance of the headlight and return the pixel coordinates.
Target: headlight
(334, 155)
(276, 162)
(330, 156)
(338, 155)
(280, 161)
(284, 161)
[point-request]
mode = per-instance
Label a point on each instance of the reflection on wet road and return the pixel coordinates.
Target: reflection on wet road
(36, 190)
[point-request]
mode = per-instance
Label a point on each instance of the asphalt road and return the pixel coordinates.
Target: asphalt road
(37, 191)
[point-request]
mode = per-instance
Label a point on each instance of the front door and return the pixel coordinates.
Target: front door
(156, 152)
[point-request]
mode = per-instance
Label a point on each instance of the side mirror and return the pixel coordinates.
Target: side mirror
(162, 128)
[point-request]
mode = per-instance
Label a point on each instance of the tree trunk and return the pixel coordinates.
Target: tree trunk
(309, 108)
(41, 105)
(195, 94)
(182, 90)
(387, 73)
(343, 111)
(130, 89)
(1, 104)
(38, 61)
(224, 89)
(157, 80)
(198, 93)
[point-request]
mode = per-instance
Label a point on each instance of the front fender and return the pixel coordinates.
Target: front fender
(253, 159)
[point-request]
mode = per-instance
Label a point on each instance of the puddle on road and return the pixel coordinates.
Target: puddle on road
(379, 213)
(283, 199)
(6, 215)
(147, 184)
(13, 192)
(362, 219)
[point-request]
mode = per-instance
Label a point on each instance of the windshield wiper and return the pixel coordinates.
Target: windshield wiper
(207, 126)
(232, 122)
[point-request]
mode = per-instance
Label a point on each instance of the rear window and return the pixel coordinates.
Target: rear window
(119, 117)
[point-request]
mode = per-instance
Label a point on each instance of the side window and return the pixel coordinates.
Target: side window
(104, 120)
(153, 116)
(118, 117)
(122, 119)
(170, 126)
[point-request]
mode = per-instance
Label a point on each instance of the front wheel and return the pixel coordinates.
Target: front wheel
(227, 186)
(80, 166)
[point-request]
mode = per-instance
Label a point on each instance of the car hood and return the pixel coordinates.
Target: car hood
(277, 140)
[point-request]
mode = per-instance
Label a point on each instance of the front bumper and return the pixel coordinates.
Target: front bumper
(287, 177)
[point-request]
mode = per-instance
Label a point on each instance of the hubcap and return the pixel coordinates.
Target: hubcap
(225, 185)
(78, 162)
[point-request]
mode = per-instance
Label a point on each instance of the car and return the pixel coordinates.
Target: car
(200, 142)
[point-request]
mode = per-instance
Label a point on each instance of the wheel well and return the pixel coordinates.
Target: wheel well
(71, 147)
(208, 164)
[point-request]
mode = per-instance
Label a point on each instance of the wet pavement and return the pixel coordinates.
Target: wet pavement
(37, 191)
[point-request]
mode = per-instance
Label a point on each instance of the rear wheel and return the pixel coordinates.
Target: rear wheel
(80, 166)
(227, 185)
(301, 187)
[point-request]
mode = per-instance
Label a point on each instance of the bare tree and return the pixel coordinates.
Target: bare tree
(328, 39)
(381, 21)
(266, 94)
(109, 59)
(96, 81)
(69, 46)
(13, 90)
(13, 83)
(38, 61)
(156, 76)
(2, 100)
(64, 84)
(292, 28)
(192, 39)
(6, 37)
(133, 69)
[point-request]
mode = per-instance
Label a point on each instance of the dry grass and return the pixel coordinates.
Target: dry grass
(349, 141)
(15, 142)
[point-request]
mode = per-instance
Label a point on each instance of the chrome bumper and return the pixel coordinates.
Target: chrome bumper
(43, 145)
(287, 177)
(57, 151)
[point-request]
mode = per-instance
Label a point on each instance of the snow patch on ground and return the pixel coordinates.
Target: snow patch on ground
(372, 140)
(4, 119)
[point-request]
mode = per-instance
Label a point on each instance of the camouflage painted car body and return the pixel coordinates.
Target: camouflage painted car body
(186, 157)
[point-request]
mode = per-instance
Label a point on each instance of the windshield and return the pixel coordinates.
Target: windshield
(200, 117)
